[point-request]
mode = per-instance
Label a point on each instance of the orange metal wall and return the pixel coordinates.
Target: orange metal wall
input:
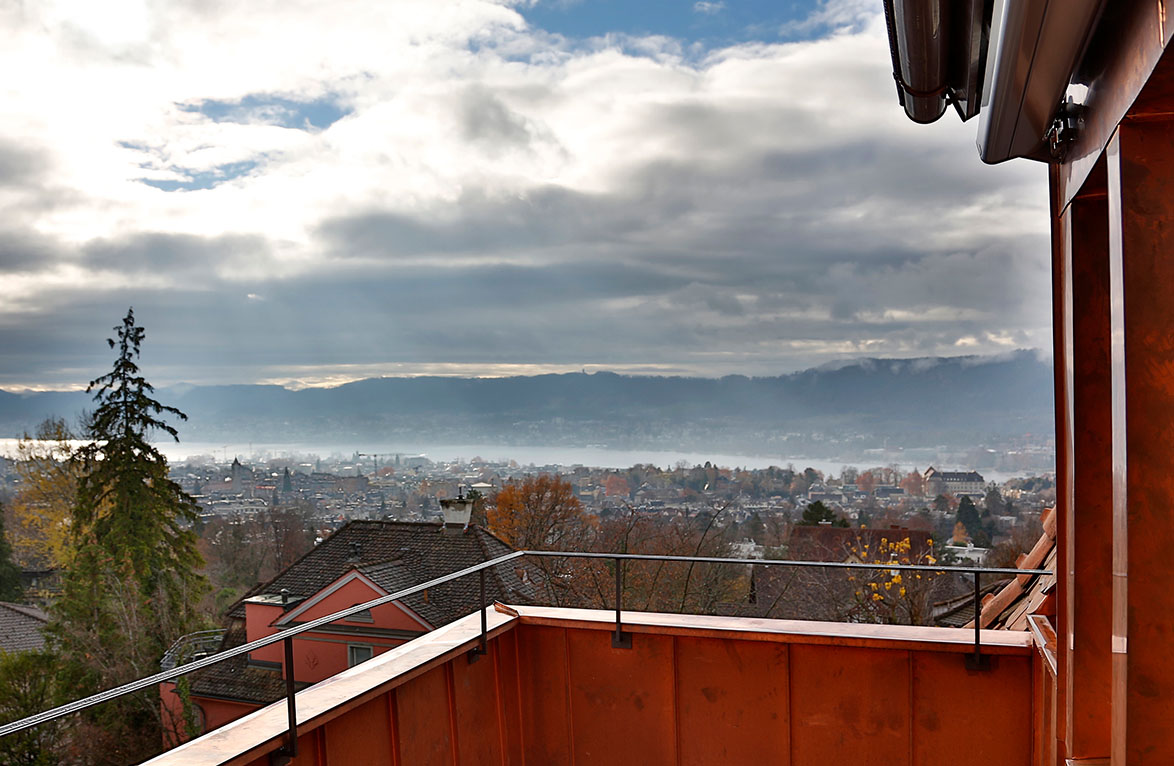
(553, 695)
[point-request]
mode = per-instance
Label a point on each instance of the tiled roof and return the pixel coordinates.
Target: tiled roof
(1025, 595)
(949, 476)
(393, 554)
(20, 627)
(958, 612)
(235, 679)
(399, 554)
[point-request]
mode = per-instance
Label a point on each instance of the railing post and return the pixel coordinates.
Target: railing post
(289, 751)
(477, 652)
(977, 661)
(620, 639)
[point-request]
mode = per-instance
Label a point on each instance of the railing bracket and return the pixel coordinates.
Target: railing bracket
(621, 640)
(979, 662)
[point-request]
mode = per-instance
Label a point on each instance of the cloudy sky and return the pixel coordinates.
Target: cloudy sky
(312, 192)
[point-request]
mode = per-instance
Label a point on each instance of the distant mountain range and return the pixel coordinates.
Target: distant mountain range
(954, 401)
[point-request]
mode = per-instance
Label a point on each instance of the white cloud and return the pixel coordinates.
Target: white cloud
(708, 8)
(781, 179)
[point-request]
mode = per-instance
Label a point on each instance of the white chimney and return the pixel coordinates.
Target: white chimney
(457, 511)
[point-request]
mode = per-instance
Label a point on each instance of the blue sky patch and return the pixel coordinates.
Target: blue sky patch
(202, 179)
(709, 22)
(317, 114)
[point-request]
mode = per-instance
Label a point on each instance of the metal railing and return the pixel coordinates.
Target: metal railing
(202, 643)
(620, 639)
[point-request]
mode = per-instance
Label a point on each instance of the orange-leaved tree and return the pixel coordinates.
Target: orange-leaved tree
(541, 512)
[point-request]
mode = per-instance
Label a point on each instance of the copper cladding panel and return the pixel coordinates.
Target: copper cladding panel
(542, 669)
(1121, 62)
(1002, 697)
(1088, 636)
(475, 702)
(509, 699)
(849, 706)
(733, 700)
(1141, 177)
(422, 721)
(622, 700)
(362, 735)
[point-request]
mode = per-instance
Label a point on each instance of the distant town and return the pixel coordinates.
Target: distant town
(404, 487)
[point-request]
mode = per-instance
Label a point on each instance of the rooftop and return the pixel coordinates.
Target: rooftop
(20, 627)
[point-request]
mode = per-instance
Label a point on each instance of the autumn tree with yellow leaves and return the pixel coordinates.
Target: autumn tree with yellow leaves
(892, 596)
(40, 511)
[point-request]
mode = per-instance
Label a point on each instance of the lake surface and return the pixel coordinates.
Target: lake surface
(596, 457)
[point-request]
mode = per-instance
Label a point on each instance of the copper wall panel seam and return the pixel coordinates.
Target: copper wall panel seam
(912, 707)
(1120, 519)
(1062, 334)
(495, 650)
(567, 691)
(393, 722)
(676, 703)
(451, 692)
(518, 688)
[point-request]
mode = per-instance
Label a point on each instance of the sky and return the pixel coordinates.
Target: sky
(307, 193)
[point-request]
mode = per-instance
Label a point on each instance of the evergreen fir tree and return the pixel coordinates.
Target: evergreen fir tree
(969, 518)
(817, 513)
(134, 584)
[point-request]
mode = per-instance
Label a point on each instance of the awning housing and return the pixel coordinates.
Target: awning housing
(1011, 60)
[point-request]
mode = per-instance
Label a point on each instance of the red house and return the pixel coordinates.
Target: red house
(360, 562)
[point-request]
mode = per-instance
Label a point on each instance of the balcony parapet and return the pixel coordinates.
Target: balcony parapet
(795, 685)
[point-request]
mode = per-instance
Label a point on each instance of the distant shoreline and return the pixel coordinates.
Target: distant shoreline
(591, 457)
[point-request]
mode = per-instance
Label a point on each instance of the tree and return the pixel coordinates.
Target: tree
(616, 486)
(994, 501)
(817, 513)
(542, 512)
(43, 503)
(27, 686)
(10, 588)
(913, 484)
(292, 531)
(133, 585)
(969, 518)
(892, 596)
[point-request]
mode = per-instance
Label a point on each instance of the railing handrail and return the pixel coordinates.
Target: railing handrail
(788, 562)
(284, 635)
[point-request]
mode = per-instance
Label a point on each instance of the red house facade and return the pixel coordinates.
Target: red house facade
(362, 561)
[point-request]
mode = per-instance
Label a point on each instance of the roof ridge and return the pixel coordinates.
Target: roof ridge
(397, 559)
(28, 610)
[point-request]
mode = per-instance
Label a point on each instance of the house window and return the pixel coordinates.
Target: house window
(363, 616)
(356, 653)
